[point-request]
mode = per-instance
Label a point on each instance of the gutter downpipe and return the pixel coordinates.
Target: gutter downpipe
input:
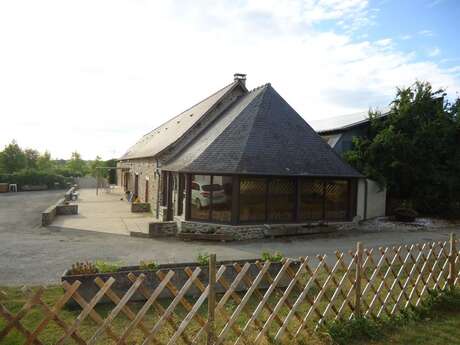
(365, 198)
(158, 189)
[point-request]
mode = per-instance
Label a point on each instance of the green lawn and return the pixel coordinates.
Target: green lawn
(441, 330)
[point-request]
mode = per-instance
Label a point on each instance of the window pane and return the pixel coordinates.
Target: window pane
(200, 199)
(337, 200)
(281, 199)
(311, 199)
(221, 188)
(252, 199)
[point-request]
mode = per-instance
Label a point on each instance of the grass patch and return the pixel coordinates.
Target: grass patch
(435, 321)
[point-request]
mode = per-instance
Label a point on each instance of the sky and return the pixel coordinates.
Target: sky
(94, 76)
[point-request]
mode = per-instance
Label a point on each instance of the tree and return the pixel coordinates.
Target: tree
(44, 162)
(76, 165)
(12, 158)
(31, 158)
(95, 165)
(415, 150)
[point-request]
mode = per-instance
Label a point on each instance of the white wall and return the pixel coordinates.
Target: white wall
(376, 200)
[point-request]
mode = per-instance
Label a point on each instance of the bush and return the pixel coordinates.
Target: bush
(35, 177)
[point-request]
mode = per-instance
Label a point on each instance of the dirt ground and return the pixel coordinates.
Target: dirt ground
(31, 254)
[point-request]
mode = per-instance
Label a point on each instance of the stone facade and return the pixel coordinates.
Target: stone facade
(148, 176)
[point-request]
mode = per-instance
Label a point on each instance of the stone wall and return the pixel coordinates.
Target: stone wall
(60, 208)
(239, 232)
(140, 207)
(48, 215)
(66, 209)
(162, 229)
(254, 231)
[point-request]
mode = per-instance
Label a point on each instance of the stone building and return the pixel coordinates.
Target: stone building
(243, 163)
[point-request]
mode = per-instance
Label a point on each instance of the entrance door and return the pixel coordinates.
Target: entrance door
(136, 185)
(181, 194)
(169, 204)
(126, 181)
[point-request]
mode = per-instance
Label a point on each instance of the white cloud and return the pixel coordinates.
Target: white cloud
(434, 52)
(96, 75)
(426, 33)
(406, 37)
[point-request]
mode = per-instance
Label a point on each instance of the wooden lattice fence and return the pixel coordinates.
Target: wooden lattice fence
(257, 305)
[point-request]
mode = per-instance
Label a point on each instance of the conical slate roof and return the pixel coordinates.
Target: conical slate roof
(261, 134)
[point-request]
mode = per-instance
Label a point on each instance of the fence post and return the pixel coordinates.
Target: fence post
(452, 257)
(358, 271)
(210, 339)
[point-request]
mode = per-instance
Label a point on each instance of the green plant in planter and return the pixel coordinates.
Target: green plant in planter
(86, 267)
(202, 259)
(148, 265)
(275, 257)
(107, 266)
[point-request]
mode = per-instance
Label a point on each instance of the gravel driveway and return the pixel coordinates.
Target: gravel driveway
(31, 254)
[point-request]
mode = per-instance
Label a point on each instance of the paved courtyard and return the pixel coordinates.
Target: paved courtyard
(31, 254)
(106, 212)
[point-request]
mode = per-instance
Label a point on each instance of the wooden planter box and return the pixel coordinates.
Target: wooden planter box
(89, 288)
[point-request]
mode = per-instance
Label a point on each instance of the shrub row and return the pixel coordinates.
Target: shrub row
(34, 177)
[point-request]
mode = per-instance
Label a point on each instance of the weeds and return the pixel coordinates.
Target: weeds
(148, 265)
(107, 266)
(275, 257)
(202, 259)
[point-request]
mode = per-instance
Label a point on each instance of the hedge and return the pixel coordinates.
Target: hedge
(33, 177)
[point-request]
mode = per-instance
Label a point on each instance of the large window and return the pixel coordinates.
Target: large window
(269, 199)
(311, 199)
(337, 200)
(253, 196)
(222, 188)
(211, 198)
(200, 197)
(281, 199)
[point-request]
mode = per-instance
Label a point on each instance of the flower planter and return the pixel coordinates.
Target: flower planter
(89, 288)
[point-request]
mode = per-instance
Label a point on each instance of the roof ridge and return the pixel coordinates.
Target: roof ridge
(262, 95)
(173, 118)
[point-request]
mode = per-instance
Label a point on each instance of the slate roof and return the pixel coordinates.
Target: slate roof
(168, 133)
(343, 122)
(261, 134)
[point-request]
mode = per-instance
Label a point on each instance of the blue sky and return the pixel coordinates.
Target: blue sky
(427, 28)
(109, 71)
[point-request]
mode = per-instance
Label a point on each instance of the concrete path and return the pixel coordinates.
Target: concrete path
(108, 212)
(30, 254)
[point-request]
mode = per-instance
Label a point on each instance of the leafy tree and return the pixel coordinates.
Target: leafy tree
(44, 162)
(31, 158)
(415, 150)
(12, 158)
(95, 165)
(76, 165)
